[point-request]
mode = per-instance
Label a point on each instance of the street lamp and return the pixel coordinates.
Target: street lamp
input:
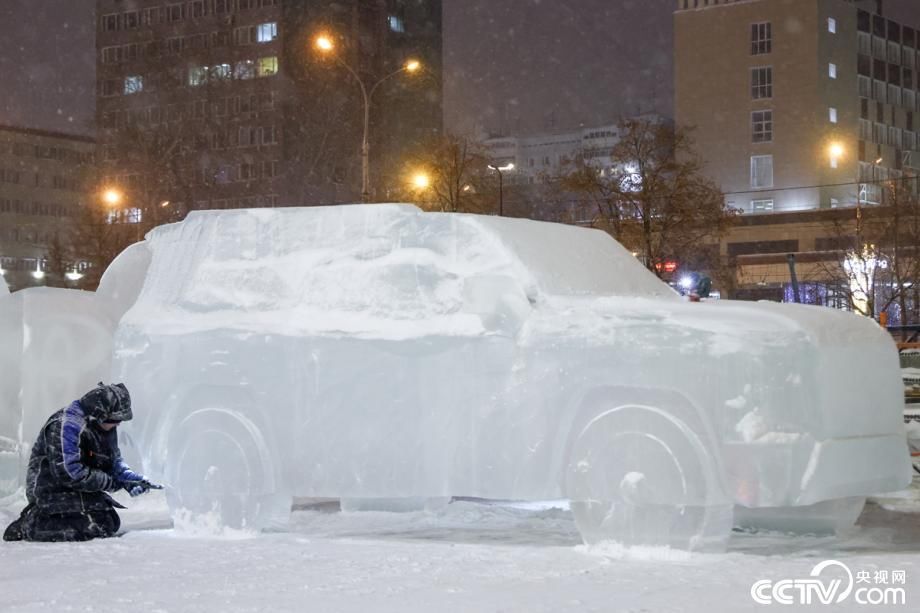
(501, 185)
(421, 181)
(112, 197)
(325, 45)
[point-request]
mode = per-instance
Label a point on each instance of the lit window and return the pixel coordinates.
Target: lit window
(832, 71)
(197, 75)
(832, 115)
(761, 205)
(761, 171)
(268, 66)
(761, 38)
(267, 32)
(133, 215)
(831, 25)
(245, 69)
(134, 85)
(762, 126)
(397, 24)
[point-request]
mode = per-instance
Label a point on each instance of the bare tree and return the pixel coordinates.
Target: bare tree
(655, 199)
(95, 240)
(875, 263)
(58, 262)
(455, 168)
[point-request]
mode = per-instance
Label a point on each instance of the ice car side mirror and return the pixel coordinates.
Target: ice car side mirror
(500, 302)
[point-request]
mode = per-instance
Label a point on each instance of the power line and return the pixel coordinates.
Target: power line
(849, 184)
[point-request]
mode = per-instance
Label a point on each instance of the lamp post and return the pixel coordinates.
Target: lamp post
(501, 185)
(326, 46)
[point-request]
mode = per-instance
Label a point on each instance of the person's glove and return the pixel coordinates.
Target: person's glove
(136, 488)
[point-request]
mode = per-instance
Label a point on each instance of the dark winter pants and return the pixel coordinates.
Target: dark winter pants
(33, 525)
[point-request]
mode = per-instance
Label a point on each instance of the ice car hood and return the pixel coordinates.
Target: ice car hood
(792, 369)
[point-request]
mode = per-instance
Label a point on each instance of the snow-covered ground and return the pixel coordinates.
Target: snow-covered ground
(469, 557)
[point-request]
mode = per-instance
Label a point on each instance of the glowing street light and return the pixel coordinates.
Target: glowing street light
(112, 197)
(326, 46)
(421, 181)
(324, 43)
(836, 152)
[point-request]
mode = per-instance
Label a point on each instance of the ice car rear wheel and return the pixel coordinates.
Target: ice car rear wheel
(638, 475)
(220, 474)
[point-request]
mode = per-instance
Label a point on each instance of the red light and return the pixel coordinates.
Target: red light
(668, 266)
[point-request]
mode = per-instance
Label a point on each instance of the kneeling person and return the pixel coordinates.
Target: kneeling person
(74, 463)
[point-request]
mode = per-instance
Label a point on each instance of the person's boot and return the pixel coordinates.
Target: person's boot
(13, 532)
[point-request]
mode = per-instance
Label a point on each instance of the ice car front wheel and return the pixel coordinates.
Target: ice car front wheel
(220, 474)
(638, 475)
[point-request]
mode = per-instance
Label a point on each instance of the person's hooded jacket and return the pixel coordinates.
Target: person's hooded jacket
(75, 462)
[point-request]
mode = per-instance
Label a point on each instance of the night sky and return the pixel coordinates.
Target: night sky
(47, 64)
(511, 65)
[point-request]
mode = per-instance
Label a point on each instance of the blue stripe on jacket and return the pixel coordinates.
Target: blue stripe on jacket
(73, 422)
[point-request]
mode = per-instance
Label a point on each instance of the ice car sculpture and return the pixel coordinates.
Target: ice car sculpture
(368, 352)
(378, 352)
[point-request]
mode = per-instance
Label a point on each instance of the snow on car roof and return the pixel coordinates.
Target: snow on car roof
(382, 269)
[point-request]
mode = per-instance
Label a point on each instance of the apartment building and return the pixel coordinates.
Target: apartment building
(798, 104)
(538, 157)
(45, 178)
(225, 104)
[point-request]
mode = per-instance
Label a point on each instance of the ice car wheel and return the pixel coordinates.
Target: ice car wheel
(220, 474)
(638, 475)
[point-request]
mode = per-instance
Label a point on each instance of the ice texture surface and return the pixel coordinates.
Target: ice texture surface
(378, 352)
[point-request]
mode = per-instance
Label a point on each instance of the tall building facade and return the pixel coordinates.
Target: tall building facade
(798, 104)
(45, 178)
(226, 104)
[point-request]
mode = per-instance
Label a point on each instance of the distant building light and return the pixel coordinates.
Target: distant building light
(38, 274)
(73, 276)
(397, 24)
(134, 84)
(668, 266)
(266, 32)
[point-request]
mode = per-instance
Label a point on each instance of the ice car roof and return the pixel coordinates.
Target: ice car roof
(357, 268)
